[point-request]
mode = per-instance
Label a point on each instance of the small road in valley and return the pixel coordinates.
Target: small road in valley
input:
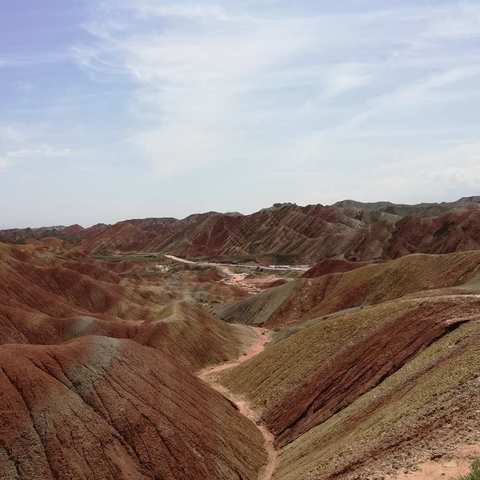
(210, 376)
(276, 268)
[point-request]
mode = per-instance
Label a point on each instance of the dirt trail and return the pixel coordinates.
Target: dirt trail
(210, 376)
(444, 469)
(285, 268)
(240, 280)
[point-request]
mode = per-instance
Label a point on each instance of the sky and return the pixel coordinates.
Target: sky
(116, 109)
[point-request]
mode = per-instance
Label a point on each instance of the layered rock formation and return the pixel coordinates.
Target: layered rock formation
(99, 407)
(97, 378)
(287, 233)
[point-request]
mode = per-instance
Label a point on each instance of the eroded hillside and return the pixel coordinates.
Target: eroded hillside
(97, 373)
(144, 365)
(286, 233)
(369, 390)
(99, 407)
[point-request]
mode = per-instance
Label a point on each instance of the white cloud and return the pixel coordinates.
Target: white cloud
(148, 8)
(177, 149)
(29, 61)
(4, 164)
(43, 151)
(447, 172)
(200, 85)
(345, 77)
(435, 87)
(26, 143)
(193, 85)
(462, 22)
(213, 81)
(243, 103)
(455, 166)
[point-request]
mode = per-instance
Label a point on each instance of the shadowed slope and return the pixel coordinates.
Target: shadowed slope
(425, 410)
(191, 335)
(48, 302)
(305, 299)
(306, 382)
(332, 265)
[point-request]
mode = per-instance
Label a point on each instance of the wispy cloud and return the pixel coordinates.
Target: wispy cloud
(446, 171)
(461, 22)
(339, 100)
(190, 11)
(4, 164)
(205, 89)
(21, 61)
(208, 84)
(22, 144)
(39, 151)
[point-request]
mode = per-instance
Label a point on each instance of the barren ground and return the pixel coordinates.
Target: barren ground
(210, 376)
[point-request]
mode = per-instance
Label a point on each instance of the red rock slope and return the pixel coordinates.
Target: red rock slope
(104, 408)
(309, 298)
(368, 391)
(289, 233)
(47, 300)
(96, 378)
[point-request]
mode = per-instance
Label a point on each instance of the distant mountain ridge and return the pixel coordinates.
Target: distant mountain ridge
(287, 232)
(425, 209)
(19, 235)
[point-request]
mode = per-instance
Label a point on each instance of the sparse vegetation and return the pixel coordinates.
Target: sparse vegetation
(371, 368)
(133, 257)
(475, 473)
(76, 239)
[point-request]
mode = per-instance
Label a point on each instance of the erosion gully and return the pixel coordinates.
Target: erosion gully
(210, 376)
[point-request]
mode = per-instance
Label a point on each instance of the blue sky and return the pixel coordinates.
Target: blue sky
(117, 109)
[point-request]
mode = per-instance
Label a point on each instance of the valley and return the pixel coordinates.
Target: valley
(210, 376)
(145, 364)
(240, 240)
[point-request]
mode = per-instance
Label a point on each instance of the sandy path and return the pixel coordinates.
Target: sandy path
(287, 268)
(249, 283)
(444, 469)
(240, 280)
(210, 376)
